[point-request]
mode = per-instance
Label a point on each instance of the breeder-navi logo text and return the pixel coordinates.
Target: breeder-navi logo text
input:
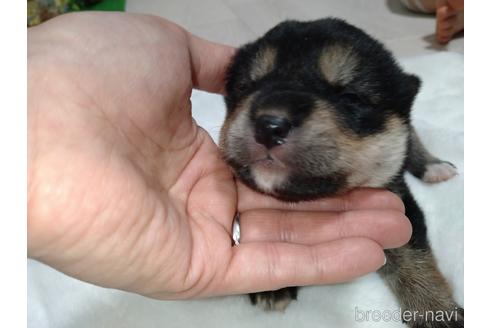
(400, 315)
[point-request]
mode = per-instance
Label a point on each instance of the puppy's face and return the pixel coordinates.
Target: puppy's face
(314, 109)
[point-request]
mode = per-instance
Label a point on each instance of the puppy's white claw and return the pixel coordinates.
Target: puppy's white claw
(438, 172)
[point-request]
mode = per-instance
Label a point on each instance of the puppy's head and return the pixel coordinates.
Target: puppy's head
(316, 108)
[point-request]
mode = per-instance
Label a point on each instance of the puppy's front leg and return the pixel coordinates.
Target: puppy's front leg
(425, 297)
(411, 272)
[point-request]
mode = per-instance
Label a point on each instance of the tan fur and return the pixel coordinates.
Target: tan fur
(263, 63)
(338, 63)
(266, 302)
(379, 156)
(235, 133)
(235, 128)
(271, 111)
(364, 159)
(415, 279)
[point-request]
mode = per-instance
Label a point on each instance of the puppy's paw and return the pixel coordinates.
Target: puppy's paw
(276, 300)
(438, 172)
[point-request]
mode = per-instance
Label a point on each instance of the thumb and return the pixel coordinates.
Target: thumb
(209, 62)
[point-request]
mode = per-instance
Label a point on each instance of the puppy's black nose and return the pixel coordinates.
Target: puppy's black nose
(271, 131)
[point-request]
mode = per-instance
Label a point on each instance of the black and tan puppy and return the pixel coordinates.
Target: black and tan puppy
(318, 108)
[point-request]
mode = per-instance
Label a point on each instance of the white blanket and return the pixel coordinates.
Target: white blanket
(55, 300)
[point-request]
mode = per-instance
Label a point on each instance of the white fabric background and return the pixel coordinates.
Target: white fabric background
(55, 300)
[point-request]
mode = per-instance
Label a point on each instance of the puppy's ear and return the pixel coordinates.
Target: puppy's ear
(409, 87)
(413, 85)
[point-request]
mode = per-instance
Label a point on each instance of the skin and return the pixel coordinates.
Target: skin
(450, 19)
(126, 191)
(449, 16)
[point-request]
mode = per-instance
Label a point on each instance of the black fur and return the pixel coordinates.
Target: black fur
(289, 293)
(297, 104)
(412, 211)
(296, 69)
(298, 188)
(379, 89)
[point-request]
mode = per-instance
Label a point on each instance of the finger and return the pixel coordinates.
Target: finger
(269, 266)
(362, 198)
(388, 228)
(209, 63)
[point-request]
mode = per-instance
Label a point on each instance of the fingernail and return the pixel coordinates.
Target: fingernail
(385, 259)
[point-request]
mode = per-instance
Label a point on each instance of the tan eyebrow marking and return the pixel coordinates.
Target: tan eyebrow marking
(338, 64)
(263, 63)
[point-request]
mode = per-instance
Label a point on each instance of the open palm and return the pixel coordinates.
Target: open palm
(126, 191)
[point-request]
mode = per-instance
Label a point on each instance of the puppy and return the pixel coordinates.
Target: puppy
(318, 108)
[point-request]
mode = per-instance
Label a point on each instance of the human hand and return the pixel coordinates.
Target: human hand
(126, 191)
